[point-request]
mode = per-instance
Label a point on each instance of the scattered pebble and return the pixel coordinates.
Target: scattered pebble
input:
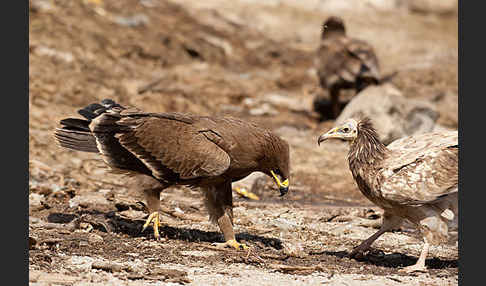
(94, 238)
(132, 21)
(198, 253)
(263, 109)
(41, 6)
(294, 249)
(36, 201)
(49, 52)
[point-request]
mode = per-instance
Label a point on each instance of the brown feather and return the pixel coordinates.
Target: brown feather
(167, 149)
(344, 62)
(415, 177)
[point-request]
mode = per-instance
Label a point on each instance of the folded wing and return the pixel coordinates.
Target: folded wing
(421, 169)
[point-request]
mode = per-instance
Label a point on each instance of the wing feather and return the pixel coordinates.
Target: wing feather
(367, 58)
(169, 146)
(421, 169)
(344, 58)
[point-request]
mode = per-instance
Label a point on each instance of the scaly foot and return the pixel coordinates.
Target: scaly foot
(231, 243)
(414, 268)
(245, 193)
(155, 220)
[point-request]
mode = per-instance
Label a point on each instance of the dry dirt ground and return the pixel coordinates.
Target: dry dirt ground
(250, 59)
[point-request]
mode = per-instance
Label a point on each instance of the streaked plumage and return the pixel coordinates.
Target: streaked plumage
(413, 178)
(164, 149)
(344, 62)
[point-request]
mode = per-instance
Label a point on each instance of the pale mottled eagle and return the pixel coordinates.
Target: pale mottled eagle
(165, 149)
(344, 62)
(414, 178)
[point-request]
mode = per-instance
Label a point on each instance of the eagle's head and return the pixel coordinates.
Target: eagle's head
(276, 163)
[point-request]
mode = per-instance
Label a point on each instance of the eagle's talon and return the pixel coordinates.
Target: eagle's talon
(231, 243)
(155, 220)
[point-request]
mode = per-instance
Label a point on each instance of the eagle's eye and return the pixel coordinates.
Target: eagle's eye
(345, 129)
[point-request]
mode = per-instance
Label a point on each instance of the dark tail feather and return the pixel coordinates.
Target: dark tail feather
(76, 140)
(75, 133)
(75, 124)
(98, 133)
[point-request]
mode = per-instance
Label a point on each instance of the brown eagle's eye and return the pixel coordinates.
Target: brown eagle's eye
(345, 129)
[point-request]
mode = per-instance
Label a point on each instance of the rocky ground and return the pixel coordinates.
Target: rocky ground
(245, 58)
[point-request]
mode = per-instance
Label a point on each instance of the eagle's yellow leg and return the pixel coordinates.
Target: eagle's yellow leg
(151, 189)
(219, 201)
(245, 193)
(226, 227)
(155, 220)
(231, 243)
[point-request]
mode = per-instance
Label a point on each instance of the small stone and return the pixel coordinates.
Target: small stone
(198, 253)
(132, 21)
(52, 278)
(32, 242)
(263, 109)
(82, 262)
(85, 227)
(36, 201)
(294, 250)
(41, 6)
(107, 266)
(433, 6)
(53, 53)
(94, 238)
(132, 214)
(88, 200)
(284, 224)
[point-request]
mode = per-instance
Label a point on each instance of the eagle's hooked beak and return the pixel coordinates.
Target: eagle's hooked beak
(283, 187)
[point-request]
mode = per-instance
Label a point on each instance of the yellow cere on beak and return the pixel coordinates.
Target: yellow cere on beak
(284, 184)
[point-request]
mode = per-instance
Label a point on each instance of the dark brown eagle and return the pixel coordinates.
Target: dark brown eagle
(165, 149)
(414, 178)
(343, 62)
